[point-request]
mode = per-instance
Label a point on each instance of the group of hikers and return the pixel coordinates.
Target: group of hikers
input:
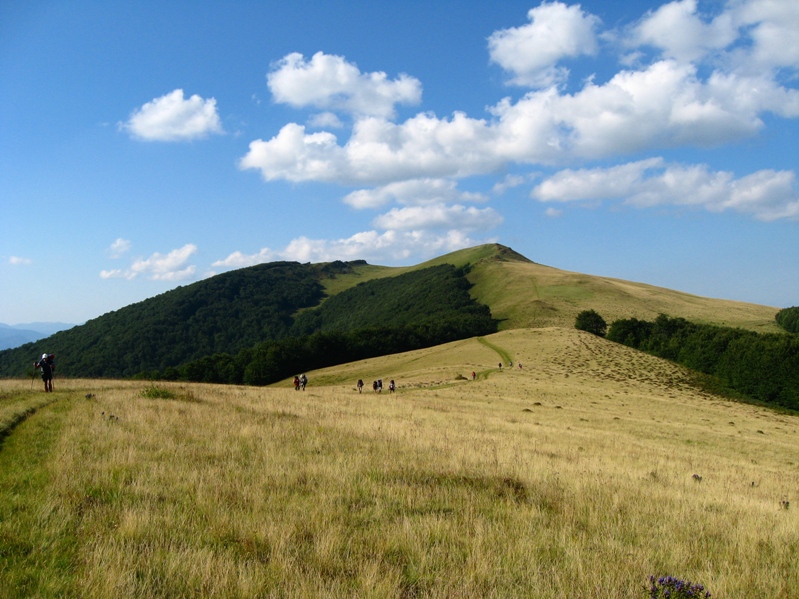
(377, 386)
(510, 364)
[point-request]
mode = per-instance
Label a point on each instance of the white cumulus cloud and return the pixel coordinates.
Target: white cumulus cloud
(699, 80)
(174, 118)
(532, 52)
(666, 104)
(766, 194)
(681, 33)
(329, 82)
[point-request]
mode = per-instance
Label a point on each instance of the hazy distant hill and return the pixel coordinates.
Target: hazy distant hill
(19, 334)
(241, 308)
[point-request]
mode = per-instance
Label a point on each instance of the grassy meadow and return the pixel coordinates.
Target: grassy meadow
(579, 474)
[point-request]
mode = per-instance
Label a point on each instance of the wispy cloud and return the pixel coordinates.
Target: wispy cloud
(119, 247)
(159, 267)
(19, 261)
(373, 246)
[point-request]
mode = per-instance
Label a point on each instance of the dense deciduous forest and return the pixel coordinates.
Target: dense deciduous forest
(242, 326)
(788, 319)
(385, 316)
(764, 367)
(224, 313)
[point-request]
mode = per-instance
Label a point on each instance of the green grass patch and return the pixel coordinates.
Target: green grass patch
(504, 355)
(37, 540)
(155, 392)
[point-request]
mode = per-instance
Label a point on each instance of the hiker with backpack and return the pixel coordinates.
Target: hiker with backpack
(47, 366)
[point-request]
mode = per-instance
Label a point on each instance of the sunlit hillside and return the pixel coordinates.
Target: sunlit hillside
(579, 471)
(522, 293)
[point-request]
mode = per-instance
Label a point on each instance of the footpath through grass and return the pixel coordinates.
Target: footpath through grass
(36, 535)
(17, 405)
(503, 354)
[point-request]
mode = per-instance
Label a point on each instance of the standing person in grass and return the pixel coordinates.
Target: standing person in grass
(46, 365)
(360, 385)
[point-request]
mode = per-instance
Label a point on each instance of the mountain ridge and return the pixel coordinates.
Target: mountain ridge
(240, 308)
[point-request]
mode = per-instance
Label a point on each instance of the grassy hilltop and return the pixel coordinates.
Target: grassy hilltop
(573, 476)
(524, 294)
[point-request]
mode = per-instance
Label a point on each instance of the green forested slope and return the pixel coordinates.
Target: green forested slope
(788, 319)
(415, 297)
(225, 313)
(764, 367)
(382, 316)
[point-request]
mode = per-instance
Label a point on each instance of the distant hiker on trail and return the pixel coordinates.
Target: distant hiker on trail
(296, 383)
(520, 365)
(374, 386)
(511, 364)
(379, 385)
(474, 374)
(303, 381)
(500, 365)
(360, 385)
(46, 364)
(391, 386)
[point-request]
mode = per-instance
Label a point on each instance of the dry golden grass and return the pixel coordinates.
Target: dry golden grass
(570, 477)
(524, 294)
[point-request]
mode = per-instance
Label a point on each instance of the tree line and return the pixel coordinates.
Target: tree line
(224, 313)
(410, 311)
(272, 361)
(788, 319)
(764, 367)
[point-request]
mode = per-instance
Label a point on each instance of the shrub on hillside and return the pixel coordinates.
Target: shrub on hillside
(591, 321)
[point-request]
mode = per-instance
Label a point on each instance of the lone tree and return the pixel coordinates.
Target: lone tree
(591, 321)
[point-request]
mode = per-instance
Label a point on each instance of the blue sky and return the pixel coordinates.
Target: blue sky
(152, 144)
